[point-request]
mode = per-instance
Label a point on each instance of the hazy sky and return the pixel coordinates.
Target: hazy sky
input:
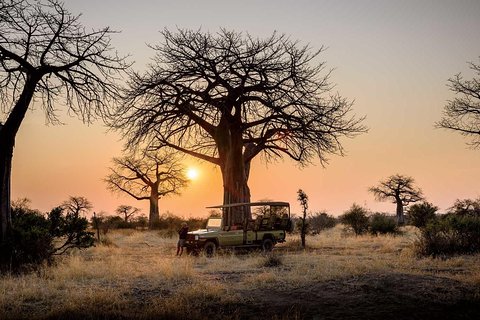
(393, 58)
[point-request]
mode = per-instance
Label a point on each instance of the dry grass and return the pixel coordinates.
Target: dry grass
(138, 276)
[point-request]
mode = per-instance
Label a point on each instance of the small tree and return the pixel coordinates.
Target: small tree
(421, 213)
(356, 219)
(401, 190)
(126, 212)
(151, 177)
(303, 199)
(462, 114)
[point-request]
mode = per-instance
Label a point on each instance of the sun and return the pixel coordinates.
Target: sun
(192, 173)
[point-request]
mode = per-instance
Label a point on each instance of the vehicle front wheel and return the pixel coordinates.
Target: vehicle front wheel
(210, 249)
(267, 245)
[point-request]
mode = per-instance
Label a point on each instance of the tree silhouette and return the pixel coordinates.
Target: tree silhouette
(303, 199)
(126, 211)
(462, 114)
(151, 177)
(401, 190)
(227, 97)
(48, 56)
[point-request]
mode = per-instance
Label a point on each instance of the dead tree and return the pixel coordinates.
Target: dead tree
(228, 97)
(47, 55)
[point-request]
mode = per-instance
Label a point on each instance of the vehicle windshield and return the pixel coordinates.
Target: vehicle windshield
(214, 223)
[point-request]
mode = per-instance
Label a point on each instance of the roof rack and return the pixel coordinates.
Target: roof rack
(251, 204)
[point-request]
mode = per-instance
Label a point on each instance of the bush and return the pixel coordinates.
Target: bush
(36, 238)
(380, 223)
(451, 234)
(321, 221)
(420, 214)
(355, 219)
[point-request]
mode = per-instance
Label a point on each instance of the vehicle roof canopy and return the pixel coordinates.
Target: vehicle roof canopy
(252, 204)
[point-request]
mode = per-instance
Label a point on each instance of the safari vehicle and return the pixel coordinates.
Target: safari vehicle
(269, 228)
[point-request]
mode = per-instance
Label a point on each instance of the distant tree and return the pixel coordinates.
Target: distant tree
(76, 205)
(151, 177)
(466, 207)
(355, 218)
(420, 213)
(462, 114)
(303, 199)
(228, 97)
(401, 190)
(127, 211)
(47, 55)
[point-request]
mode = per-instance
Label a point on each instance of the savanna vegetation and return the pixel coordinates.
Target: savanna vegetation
(135, 275)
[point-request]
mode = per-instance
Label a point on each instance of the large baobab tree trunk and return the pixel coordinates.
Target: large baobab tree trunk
(400, 215)
(154, 214)
(234, 174)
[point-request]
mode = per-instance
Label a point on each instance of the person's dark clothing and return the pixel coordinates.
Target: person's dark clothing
(182, 233)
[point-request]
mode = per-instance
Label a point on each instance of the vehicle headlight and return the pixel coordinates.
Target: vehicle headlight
(196, 237)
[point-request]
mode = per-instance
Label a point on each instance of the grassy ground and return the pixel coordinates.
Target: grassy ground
(338, 277)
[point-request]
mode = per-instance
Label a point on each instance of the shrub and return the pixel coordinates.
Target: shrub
(380, 223)
(420, 214)
(355, 219)
(36, 237)
(321, 221)
(452, 234)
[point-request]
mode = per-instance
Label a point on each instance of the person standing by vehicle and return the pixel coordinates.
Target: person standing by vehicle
(182, 236)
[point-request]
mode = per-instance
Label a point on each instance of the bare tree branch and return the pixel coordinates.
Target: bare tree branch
(462, 114)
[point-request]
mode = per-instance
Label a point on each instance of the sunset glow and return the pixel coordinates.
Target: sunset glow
(392, 58)
(192, 174)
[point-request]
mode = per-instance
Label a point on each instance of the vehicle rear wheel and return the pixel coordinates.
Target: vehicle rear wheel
(210, 249)
(267, 245)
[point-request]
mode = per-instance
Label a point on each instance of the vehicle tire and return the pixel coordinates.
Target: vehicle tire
(210, 248)
(267, 245)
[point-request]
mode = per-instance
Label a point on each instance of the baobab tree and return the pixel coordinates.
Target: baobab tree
(47, 55)
(126, 211)
(401, 190)
(151, 177)
(228, 97)
(462, 114)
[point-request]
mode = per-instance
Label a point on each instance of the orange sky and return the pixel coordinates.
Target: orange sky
(393, 59)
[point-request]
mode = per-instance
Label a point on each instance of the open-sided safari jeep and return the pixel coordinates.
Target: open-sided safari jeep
(267, 229)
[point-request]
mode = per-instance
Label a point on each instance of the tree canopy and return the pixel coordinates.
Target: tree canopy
(227, 97)
(462, 114)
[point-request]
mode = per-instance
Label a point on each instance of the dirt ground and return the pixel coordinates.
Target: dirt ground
(372, 296)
